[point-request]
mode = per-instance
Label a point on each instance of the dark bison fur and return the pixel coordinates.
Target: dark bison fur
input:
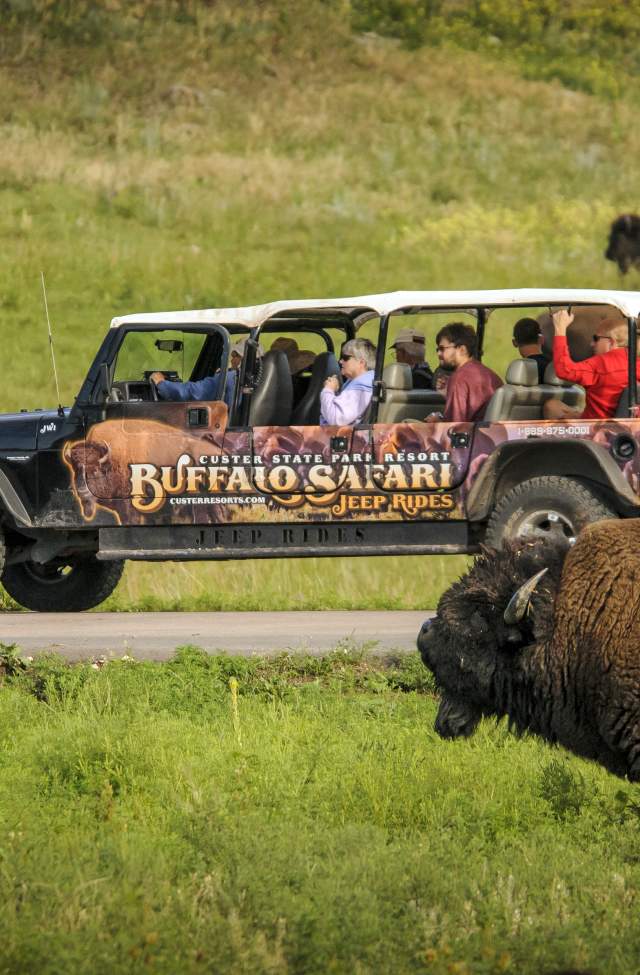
(624, 242)
(569, 671)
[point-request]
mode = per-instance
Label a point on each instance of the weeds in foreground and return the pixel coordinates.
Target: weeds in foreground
(338, 834)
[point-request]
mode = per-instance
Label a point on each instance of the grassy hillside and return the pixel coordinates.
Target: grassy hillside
(189, 155)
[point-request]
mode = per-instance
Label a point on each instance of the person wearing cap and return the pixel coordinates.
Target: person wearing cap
(527, 339)
(347, 406)
(207, 389)
(409, 347)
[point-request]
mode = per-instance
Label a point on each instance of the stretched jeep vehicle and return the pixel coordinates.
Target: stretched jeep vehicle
(126, 475)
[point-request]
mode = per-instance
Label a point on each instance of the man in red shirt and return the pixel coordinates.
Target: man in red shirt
(471, 385)
(604, 375)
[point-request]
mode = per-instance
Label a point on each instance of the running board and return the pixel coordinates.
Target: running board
(223, 542)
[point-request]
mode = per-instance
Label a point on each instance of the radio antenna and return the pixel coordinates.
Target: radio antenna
(53, 358)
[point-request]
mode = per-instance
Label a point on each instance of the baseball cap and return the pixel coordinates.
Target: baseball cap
(410, 337)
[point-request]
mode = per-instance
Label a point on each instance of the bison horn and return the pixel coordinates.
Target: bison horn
(519, 602)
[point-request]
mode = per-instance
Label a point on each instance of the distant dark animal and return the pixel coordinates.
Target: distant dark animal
(624, 242)
(551, 640)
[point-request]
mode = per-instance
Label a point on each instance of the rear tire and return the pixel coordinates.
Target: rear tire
(63, 585)
(545, 508)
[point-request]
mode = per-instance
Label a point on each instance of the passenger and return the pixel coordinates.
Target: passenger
(604, 375)
(527, 339)
(207, 389)
(301, 360)
(284, 344)
(346, 406)
(471, 385)
(409, 347)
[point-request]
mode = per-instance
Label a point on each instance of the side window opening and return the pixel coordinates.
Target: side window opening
(170, 351)
(179, 355)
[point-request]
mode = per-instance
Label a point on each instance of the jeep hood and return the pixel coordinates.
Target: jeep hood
(21, 431)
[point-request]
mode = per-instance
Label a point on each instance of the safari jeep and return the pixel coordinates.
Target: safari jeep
(122, 475)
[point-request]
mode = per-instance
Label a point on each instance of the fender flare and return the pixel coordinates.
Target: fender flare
(12, 503)
(519, 460)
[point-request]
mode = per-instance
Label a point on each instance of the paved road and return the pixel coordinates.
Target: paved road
(155, 636)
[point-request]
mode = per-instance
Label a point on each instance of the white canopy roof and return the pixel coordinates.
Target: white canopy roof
(628, 302)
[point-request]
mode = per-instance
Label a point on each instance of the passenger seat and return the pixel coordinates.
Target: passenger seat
(308, 409)
(402, 401)
(272, 398)
(570, 393)
(521, 398)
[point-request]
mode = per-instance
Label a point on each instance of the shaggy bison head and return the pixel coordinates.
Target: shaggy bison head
(482, 622)
(624, 242)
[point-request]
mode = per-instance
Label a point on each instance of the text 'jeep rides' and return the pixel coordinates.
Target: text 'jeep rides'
(123, 475)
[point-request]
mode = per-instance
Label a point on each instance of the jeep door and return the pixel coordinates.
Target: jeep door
(416, 456)
(302, 460)
(140, 462)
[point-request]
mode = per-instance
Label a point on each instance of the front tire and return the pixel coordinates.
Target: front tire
(545, 508)
(63, 585)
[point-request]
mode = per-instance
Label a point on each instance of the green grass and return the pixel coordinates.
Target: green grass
(239, 158)
(320, 826)
(288, 584)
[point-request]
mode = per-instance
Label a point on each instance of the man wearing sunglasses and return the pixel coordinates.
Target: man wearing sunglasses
(347, 406)
(472, 384)
(604, 374)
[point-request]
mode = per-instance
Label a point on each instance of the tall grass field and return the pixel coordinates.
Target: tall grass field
(296, 816)
(174, 154)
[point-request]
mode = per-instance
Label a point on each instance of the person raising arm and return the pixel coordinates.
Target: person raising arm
(604, 374)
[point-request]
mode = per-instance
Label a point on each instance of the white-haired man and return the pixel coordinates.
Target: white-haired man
(347, 406)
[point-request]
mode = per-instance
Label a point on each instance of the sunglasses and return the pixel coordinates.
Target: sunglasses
(596, 337)
(345, 356)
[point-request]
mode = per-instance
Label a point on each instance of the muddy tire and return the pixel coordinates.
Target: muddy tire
(545, 507)
(63, 585)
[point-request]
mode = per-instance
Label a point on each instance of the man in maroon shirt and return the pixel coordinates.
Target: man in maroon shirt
(604, 375)
(471, 385)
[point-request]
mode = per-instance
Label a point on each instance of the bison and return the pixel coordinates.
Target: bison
(550, 638)
(100, 465)
(624, 242)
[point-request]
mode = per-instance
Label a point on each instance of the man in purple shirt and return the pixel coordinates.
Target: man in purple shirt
(347, 406)
(471, 385)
